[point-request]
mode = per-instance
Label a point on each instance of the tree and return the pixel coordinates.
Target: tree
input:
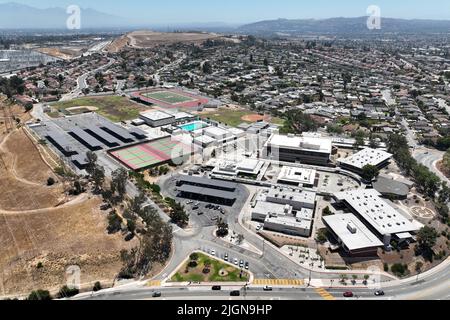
(114, 222)
(369, 172)
(418, 267)
(50, 181)
(91, 159)
(28, 107)
(66, 292)
(222, 228)
(326, 212)
(179, 215)
(119, 182)
(42, 295)
(240, 239)
(207, 67)
(399, 269)
(426, 240)
(99, 177)
(298, 122)
(97, 286)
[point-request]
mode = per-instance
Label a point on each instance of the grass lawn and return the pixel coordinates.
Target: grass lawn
(233, 118)
(168, 97)
(196, 274)
(115, 108)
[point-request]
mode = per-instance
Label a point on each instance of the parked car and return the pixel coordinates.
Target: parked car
(241, 263)
(258, 228)
(235, 293)
(200, 213)
(195, 207)
(348, 294)
(247, 265)
(213, 252)
(226, 257)
(236, 261)
(216, 288)
(379, 293)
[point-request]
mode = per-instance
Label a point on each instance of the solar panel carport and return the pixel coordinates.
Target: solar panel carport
(86, 139)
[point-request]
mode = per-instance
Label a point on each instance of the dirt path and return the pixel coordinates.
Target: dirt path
(73, 203)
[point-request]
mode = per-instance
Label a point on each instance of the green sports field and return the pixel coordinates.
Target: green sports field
(168, 97)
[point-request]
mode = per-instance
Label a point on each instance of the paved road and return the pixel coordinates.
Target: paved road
(432, 286)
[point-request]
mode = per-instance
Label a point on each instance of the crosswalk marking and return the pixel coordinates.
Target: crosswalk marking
(279, 282)
(325, 294)
(154, 283)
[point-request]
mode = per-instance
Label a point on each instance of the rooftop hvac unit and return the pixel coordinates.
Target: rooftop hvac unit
(351, 227)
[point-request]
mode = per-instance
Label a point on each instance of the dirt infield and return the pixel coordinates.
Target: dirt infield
(38, 247)
(256, 118)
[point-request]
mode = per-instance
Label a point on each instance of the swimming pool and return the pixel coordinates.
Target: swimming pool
(193, 126)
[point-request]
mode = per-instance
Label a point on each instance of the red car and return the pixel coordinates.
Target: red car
(348, 294)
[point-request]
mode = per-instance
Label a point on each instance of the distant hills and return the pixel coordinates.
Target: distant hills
(19, 16)
(344, 26)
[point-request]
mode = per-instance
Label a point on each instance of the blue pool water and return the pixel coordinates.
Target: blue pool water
(193, 126)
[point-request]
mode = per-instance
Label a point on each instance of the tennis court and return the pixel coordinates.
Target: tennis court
(152, 153)
(168, 97)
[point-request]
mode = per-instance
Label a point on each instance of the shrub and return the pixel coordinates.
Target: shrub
(97, 287)
(66, 292)
(41, 295)
(50, 181)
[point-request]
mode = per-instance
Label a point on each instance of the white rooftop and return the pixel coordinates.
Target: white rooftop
(156, 115)
(352, 232)
(272, 208)
(316, 144)
(289, 222)
(377, 212)
(367, 156)
(305, 197)
(216, 131)
(297, 175)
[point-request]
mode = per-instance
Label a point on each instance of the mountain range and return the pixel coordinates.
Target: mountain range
(19, 16)
(356, 25)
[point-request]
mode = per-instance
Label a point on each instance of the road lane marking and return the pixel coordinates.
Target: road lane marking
(279, 282)
(325, 294)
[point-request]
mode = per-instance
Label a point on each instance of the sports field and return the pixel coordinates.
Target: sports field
(152, 153)
(168, 97)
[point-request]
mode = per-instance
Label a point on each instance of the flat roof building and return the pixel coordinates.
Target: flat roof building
(367, 156)
(155, 118)
(297, 176)
(312, 150)
(208, 190)
(378, 215)
(207, 183)
(353, 236)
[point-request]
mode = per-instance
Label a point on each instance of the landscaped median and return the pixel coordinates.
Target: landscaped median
(201, 268)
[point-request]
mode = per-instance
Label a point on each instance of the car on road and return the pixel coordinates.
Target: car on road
(189, 202)
(235, 293)
(200, 213)
(348, 294)
(267, 288)
(156, 294)
(216, 288)
(236, 261)
(379, 293)
(195, 207)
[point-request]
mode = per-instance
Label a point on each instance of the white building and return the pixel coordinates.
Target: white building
(379, 215)
(297, 176)
(285, 210)
(246, 167)
(312, 150)
(353, 236)
(367, 156)
(155, 118)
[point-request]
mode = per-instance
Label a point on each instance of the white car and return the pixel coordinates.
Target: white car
(236, 261)
(213, 252)
(258, 228)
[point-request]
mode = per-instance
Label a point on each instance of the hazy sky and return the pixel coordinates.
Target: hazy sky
(241, 11)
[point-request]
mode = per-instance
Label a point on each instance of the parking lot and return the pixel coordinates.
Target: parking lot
(205, 214)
